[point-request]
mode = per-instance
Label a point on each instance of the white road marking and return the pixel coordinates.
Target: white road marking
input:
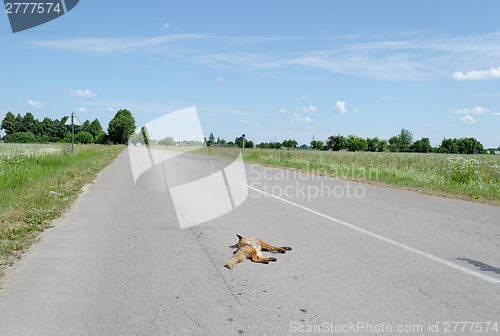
(387, 240)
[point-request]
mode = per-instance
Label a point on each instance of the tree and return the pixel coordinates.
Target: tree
(337, 142)
(269, 145)
(461, 146)
(121, 127)
(395, 144)
(239, 142)
(86, 126)
(355, 143)
(422, 146)
(95, 128)
(211, 140)
(290, 143)
(449, 146)
(30, 124)
(19, 124)
(145, 135)
(470, 146)
(372, 144)
(48, 128)
(406, 139)
(9, 123)
(316, 144)
(61, 127)
(382, 146)
(376, 145)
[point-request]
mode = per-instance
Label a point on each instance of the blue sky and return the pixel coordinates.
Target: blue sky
(269, 69)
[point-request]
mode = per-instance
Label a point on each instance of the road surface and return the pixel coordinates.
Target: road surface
(365, 260)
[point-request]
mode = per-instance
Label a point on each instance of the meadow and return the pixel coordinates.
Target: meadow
(469, 177)
(37, 184)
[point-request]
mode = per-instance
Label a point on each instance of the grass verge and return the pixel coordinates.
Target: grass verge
(38, 183)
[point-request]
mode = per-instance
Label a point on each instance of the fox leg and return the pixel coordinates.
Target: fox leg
(281, 249)
(256, 258)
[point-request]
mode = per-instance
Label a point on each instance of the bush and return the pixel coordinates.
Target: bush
(101, 138)
(44, 139)
(84, 138)
(20, 137)
(67, 139)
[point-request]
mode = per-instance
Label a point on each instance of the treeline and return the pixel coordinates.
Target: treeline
(402, 143)
(27, 129)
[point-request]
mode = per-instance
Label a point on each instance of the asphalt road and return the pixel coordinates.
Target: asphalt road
(365, 260)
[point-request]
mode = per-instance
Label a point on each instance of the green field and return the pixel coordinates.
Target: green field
(38, 183)
(470, 177)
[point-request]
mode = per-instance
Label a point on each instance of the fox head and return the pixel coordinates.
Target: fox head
(238, 245)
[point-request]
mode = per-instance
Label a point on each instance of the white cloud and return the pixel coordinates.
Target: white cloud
(35, 104)
(340, 107)
(388, 98)
(496, 114)
(167, 25)
(297, 118)
(477, 74)
(303, 97)
(310, 109)
(245, 121)
(396, 58)
(219, 80)
(82, 93)
(475, 110)
(81, 109)
(110, 109)
(282, 110)
(468, 120)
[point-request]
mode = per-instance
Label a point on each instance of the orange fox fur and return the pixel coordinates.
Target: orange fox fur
(250, 248)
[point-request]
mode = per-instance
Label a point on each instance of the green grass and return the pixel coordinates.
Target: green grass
(38, 183)
(471, 177)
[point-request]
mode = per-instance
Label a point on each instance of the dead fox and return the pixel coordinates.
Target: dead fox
(249, 248)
